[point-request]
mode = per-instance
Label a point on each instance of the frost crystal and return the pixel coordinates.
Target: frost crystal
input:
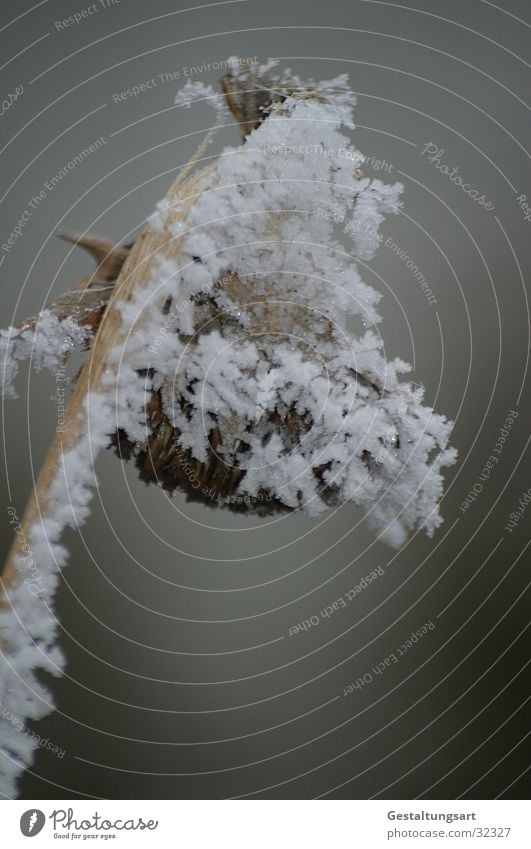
(192, 92)
(28, 624)
(46, 343)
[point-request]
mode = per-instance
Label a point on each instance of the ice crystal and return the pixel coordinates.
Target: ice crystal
(46, 342)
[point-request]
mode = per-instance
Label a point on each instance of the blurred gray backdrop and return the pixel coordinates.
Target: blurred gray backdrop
(182, 680)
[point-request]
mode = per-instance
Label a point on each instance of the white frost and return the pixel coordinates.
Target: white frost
(46, 345)
(267, 228)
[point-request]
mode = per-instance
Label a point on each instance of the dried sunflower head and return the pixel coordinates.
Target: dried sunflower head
(259, 395)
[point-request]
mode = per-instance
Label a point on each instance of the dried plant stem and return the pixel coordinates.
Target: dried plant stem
(135, 274)
(89, 378)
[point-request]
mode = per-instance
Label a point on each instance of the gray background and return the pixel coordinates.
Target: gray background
(182, 682)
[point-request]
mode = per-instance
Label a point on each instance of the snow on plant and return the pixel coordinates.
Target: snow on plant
(235, 373)
(261, 376)
(46, 342)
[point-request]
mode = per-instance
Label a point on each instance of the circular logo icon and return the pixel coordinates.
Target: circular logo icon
(32, 822)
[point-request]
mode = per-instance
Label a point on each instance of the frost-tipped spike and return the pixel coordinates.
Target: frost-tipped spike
(109, 257)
